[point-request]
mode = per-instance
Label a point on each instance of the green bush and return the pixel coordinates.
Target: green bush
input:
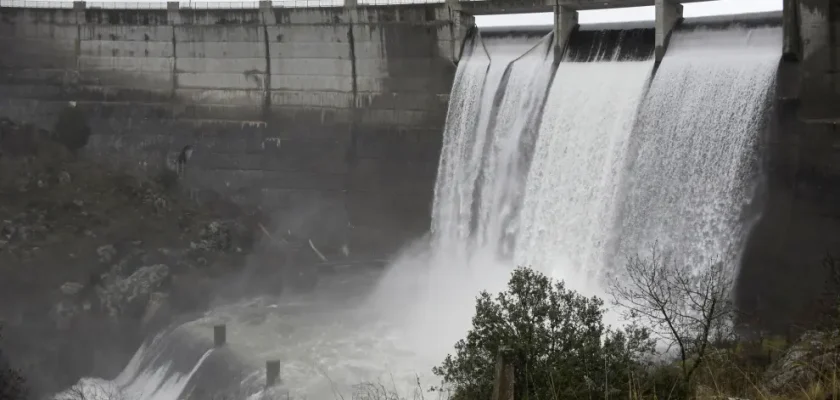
(559, 344)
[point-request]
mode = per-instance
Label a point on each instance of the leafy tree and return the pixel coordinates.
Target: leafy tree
(557, 340)
(12, 385)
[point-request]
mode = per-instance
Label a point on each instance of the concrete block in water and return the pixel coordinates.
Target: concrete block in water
(272, 372)
(219, 335)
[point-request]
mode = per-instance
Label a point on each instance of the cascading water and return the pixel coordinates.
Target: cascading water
(571, 188)
(512, 135)
(692, 168)
(159, 370)
(480, 155)
(563, 187)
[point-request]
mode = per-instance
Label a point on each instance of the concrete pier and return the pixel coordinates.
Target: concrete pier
(668, 14)
(565, 22)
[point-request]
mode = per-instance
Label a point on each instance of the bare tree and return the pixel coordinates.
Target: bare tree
(686, 308)
(92, 391)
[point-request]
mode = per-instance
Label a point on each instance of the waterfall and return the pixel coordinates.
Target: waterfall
(160, 369)
(565, 170)
(571, 191)
(693, 164)
(496, 98)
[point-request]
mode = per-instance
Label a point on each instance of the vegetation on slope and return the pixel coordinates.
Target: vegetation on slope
(93, 258)
(557, 344)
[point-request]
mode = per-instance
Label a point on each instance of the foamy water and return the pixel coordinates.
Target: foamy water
(560, 188)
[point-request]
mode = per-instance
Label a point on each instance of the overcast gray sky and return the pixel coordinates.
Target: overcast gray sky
(637, 13)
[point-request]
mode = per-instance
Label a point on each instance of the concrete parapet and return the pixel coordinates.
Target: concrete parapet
(669, 13)
(565, 21)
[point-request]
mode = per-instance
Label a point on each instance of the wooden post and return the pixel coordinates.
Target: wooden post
(272, 372)
(503, 385)
(219, 335)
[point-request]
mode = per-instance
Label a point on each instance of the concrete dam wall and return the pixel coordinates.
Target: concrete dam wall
(329, 113)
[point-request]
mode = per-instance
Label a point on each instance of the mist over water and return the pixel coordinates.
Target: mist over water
(431, 289)
(565, 171)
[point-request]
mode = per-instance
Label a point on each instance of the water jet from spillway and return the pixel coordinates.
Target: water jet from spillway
(693, 164)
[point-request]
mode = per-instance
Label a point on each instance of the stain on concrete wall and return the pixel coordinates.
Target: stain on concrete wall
(355, 98)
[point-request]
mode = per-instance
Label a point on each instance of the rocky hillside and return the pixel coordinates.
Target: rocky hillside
(92, 259)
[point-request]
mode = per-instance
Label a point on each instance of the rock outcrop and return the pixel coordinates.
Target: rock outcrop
(814, 358)
(92, 259)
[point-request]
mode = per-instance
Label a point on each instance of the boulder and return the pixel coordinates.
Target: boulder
(813, 356)
(214, 236)
(119, 295)
(71, 288)
(154, 308)
(106, 253)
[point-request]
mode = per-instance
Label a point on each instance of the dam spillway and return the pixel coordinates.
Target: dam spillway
(558, 167)
(535, 170)
(695, 166)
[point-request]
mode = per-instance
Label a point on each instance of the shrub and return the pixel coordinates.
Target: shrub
(557, 340)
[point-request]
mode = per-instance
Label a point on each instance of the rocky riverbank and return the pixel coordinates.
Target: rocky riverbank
(93, 259)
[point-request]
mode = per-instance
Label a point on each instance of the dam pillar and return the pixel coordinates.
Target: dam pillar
(565, 21)
(668, 14)
(792, 43)
(173, 12)
(819, 38)
(267, 13)
(451, 40)
(79, 11)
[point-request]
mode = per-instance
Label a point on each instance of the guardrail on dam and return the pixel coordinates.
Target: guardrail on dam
(336, 110)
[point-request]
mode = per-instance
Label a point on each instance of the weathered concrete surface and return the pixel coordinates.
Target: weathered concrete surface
(782, 279)
(334, 113)
(477, 7)
(819, 31)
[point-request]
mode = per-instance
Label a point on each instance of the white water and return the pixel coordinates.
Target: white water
(571, 193)
(147, 376)
(506, 155)
(693, 168)
(477, 84)
(561, 216)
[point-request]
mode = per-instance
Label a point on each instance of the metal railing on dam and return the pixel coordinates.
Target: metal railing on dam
(474, 5)
(162, 5)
